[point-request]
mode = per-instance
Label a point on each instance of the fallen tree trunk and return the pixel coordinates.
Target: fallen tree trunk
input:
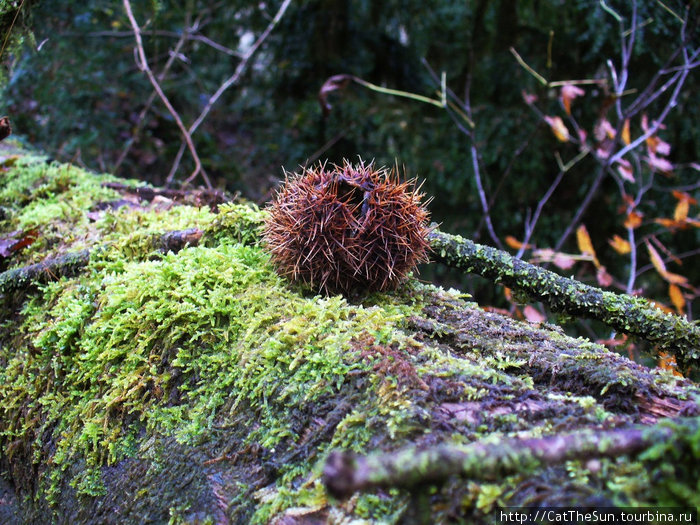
(198, 386)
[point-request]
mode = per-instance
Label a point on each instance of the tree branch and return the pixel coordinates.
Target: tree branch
(345, 473)
(631, 315)
(143, 64)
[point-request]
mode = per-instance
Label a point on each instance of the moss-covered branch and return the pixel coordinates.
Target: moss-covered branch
(345, 474)
(631, 315)
(72, 263)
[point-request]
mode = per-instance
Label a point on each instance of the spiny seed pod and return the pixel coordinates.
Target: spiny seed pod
(347, 228)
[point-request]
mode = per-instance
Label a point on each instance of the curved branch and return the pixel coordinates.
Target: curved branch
(631, 315)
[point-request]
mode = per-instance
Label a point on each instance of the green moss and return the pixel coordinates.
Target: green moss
(144, 352)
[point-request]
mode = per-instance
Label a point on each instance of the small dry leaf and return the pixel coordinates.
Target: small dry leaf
(558, 127)
(334, 83)
(514, 243)
(563, 260)
(603, 277)
(660, 267)
(603, 129)
(626, 132)
(681, 195)
(680, 214)
(659, 164)
(620, 245)
(668, 362)
(5, 128)
(529, 98)
(585, 245)
(633, 220)
(533, 315)
(624, 168)
(569, 93)
(677, 299)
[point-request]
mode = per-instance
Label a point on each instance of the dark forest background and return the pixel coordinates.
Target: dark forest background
(495, 158)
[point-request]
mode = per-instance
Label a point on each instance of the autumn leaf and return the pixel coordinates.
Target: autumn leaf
(603, 277)
(677, 299)
(620, 245)
(626, 132)
(603, 129)
(568, 93)
(533, 315)
(633, 220)
(334, 83)
(5, 128)
(680, 214)
(529, 98)
(585, 245)
(658, 163)
(515, 243)
(660, 267)
(624, 168)
(558, 128)
(668, 362)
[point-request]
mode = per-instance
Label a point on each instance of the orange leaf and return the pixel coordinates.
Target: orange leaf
(633, 220)
(683, 196)
(515, 243)
(677, 298)
(680, 214)
(603, 129)
(626, 132)
(568, 93)
(668, 223)
(620, 245)
(668, 362)
(656, 259)
(558, 128)
(658, 263)
(585, 245)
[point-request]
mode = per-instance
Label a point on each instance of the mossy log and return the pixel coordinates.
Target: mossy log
(194, 385)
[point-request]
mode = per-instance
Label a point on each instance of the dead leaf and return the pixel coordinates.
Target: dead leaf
(660, 267)
(668, 362)
(585, 245)
(514, 243)
(568, 93)
(626, 132)
(677, 299)
(533, 315)
(603, 277)
(334, 83)
(563, 260)
(680, 214)
(624, 168)
(658, 163)
(633, 220)
(620, 245)
(603, 129)
(5, 128)
(529, 98)
(558, 127)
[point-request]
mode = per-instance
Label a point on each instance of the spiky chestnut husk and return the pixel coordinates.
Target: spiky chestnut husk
(347, 228)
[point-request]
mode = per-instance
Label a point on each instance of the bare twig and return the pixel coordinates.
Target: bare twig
(184, 36)
(236, 75)
(143, 64)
